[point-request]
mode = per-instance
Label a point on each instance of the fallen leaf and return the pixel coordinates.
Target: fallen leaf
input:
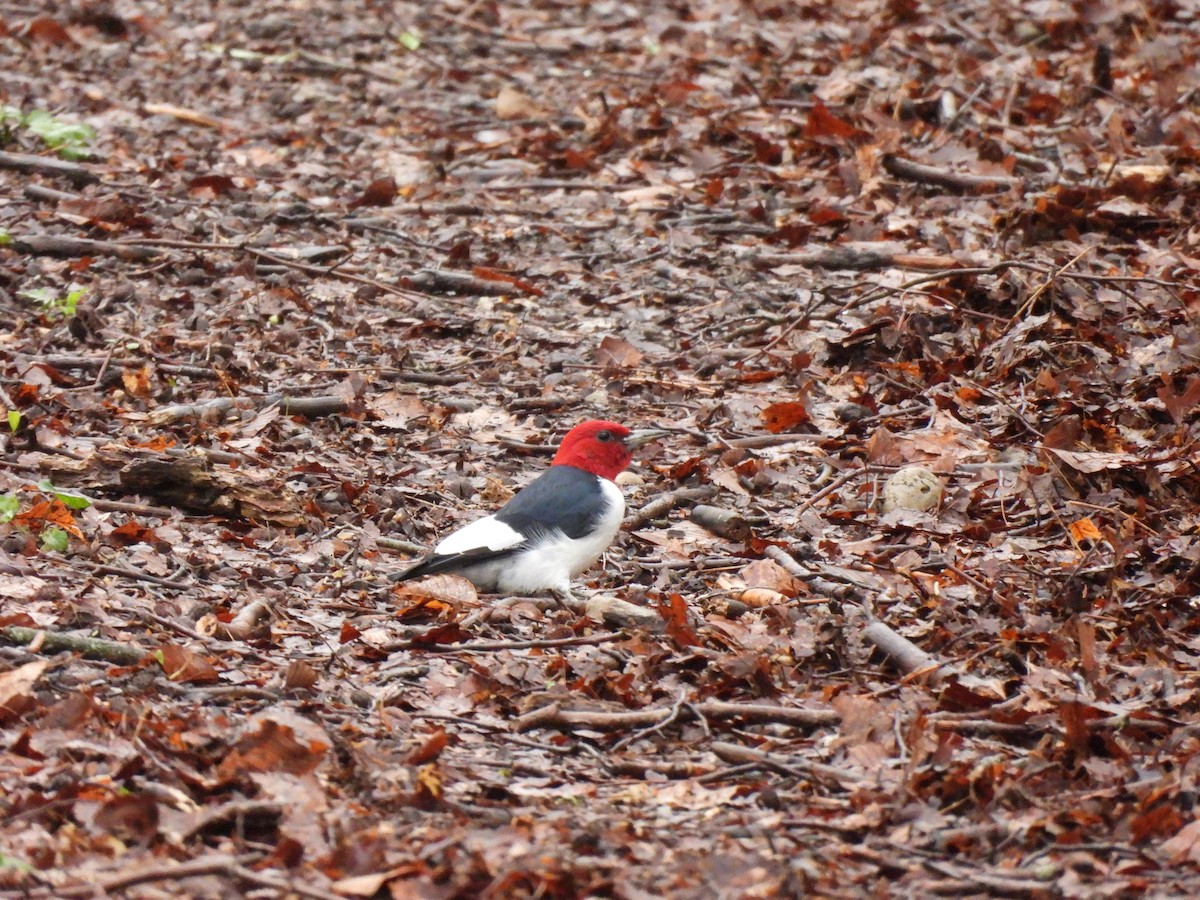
(15, 687)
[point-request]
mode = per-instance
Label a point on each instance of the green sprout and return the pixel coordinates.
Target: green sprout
(70, 140)
(53, 303)
(54, 538)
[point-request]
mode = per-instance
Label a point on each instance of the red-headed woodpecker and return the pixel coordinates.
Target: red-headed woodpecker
(552, 529)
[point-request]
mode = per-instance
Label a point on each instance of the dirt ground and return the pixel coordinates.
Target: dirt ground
(289, 289)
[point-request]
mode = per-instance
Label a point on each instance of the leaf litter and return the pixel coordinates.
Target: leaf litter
(342, 287)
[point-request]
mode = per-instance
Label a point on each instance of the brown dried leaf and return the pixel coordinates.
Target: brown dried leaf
(618, 353)
(183, 665)
(785, 416)
(16, 686)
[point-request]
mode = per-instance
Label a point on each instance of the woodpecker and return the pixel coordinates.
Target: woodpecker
(552, 529)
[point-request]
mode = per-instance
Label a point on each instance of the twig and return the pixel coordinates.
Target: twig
(1053, 276)
(401, 546)
(671, 716)
(828, 489)
(133, 574)
(136, 509)
(914, 171)
(228, 866)
(758, 441)
(334, 272)
(796, 768)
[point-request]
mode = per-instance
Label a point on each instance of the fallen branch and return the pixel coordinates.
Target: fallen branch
(291, 406)
(134, 509)
(37, 640)
(48, 165)
(856, 258)
(43, 192)
(59, 245)
(554, 716)
(445, 281)
(909, 658)
(493, 646)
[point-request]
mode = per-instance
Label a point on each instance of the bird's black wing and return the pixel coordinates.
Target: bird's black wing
(563, 498)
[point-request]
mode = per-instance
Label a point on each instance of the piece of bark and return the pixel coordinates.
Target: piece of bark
(252, 620)
(618, 613)
(190, 484)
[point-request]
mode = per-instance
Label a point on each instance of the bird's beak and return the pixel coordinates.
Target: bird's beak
(637, 438)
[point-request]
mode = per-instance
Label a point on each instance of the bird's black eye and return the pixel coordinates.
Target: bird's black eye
(604, 436)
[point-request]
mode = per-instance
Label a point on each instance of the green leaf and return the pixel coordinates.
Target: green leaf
(54, 538)
(53, 304)
(5, 237)
(44, 296)
(70, 499)
(410, 40)
(14, 419)
(10, 505)
(11, 862)
(69, 139)
(72, 301)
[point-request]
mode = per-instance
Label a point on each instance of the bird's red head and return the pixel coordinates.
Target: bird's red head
(596, 447)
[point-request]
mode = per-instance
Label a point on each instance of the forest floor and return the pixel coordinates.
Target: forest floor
(287, 290)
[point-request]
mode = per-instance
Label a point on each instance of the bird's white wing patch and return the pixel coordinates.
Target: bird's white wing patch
(487, 532)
